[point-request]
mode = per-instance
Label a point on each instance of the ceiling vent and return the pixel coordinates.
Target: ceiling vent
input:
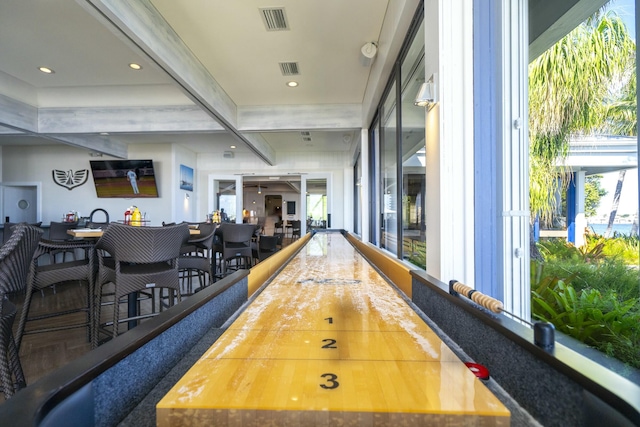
(228, 154)
(289, 68)
(274, 19)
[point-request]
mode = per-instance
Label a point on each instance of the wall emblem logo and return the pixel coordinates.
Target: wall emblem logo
(70, 179)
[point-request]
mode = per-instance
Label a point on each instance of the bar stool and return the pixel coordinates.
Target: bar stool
(15, 261)
(236, 246)
(45, 273)
(137, 260)
(197, 257)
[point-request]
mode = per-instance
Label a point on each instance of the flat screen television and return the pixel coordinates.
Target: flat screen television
(124, 178)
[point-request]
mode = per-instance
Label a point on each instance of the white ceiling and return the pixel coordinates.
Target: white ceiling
(90, 57)
(226, 60)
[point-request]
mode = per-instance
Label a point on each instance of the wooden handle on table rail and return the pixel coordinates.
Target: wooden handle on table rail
(478, 297)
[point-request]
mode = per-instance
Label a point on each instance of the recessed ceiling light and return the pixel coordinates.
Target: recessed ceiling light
(232, 146)
(135, 66)
(292, 84)
(46, 70)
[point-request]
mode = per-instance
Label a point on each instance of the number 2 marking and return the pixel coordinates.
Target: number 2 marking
(330, 343)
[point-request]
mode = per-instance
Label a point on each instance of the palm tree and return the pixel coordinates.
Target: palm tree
(616, 202)
(583, 84)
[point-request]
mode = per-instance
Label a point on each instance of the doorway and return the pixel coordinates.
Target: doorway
(273, 212)
(223, 195)
(273, 205)
(317, 214)
(20, 202)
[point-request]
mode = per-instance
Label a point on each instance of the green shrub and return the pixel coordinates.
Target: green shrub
(608, 275)
(598, 319)
(625, 247)
(591, 293)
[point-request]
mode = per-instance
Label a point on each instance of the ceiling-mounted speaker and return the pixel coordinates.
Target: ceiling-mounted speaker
(228, 154)
(368, 51)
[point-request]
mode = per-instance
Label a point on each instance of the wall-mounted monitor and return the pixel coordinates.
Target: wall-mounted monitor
(291, 208)
(124, 178)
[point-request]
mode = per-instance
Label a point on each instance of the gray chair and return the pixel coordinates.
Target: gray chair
(15, 261)
(279, 239)
(44, 273)
(137, 260)
(295, 229)
(58, 233)
(93, 222)
(196, 257)
(237, 251)
(8, 228)
(266, 246)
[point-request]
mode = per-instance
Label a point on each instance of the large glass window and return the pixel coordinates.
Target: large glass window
(389, 174)
(316, 203)
(357, 196)
(226, 197)
(398, 168)
(374, 178)
(397, 159)
(413, 154)
(587, 244)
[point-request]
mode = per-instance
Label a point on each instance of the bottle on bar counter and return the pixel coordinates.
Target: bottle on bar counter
(136, 217)
(127, 215)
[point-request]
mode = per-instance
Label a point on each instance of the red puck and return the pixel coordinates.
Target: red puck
(479, 370)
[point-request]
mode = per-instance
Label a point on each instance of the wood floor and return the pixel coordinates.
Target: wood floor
(45, 352)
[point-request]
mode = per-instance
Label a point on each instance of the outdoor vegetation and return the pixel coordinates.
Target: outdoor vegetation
(584, 85)
(591, 293)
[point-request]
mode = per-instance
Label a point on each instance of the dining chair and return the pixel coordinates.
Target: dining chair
(15, 261)
(279, 239)
(8, 228)
(197, 257)
(137, 260)
(58, 233)
(236, 246)
(295, 229)
(45, 273)
(266, 246)
(95, 215)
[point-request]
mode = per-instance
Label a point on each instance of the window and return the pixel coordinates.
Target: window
(413, 155)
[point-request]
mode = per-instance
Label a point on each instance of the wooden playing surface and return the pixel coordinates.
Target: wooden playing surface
(329, 342)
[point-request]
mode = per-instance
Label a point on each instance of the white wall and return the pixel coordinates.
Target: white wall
(184, 202)
(36, 163)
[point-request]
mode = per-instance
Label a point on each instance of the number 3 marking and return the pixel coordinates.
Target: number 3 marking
(331, 380)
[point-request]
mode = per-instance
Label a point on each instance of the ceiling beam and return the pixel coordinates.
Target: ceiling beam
(18, 115)
(23, 120)
(96, 143)
(180, 118)
(147, 30)
(296, 117)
